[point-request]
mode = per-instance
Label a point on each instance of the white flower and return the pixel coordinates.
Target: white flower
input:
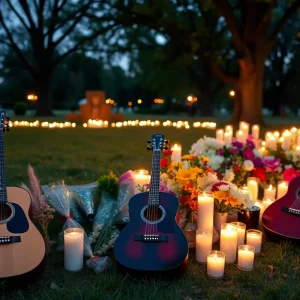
(207, 181)
(270, 157)
(205, 146)
(229, 175)
(257, 153)
(224, 187)
(288, 166)
(215, 162)
(248, 165)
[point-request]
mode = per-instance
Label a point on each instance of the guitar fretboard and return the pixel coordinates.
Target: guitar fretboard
(3, 193)
(155, 179)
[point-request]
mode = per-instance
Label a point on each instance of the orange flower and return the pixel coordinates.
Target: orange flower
(188, 157)
(220, 195)
(233, 201)
(185, 200)
(193, 205)
(209, 170)
(188, 187)
(183, 176)
(196, 170)
(204, 159)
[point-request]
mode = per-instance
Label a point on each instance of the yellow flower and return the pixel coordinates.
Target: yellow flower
(204, 159)
(188, 157)
(196, 170)
(174, 165)
(183, 176)
(220, 195)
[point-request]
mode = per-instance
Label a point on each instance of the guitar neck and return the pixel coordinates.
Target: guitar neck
(155, 179)
(3, 192)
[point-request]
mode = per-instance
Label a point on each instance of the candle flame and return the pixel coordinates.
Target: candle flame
(215, 256)
(270, 187)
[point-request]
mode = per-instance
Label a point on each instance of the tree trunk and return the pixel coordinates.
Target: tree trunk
(250, 85)
(44, 102)
(237, 107)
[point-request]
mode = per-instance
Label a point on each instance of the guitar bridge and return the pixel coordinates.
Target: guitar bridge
(291, 211)
(9, 239)
(151, 238)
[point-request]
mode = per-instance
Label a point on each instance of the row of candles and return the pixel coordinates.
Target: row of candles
(232, 241)
(105, 124)
(226, 134)
(287, 139)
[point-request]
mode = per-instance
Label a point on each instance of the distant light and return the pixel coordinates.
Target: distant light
(32, 97)
(139, 101)
(232, 93)
(159, 101)
(107, 101)
(129, 103)
(189, 98)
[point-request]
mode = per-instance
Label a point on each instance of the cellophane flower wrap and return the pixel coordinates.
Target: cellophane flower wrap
(58, 196)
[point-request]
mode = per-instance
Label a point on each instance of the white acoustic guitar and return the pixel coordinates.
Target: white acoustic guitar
(22, 247)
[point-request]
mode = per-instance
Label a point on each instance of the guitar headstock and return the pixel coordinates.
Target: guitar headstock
(4, 121)
(158, 142)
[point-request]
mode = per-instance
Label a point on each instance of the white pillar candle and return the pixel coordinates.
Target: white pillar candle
(176, 155)
(254, 239)
(241, 230)
(270, 192)
(271, 143)
(245, 129)
(261, 206)
(253, 188)
(215, 264)
(266, 202)
(228, 128)
(228, 241)
(240, 137)
(141, 178)
(282, 189)
(246, 257)
(255, 131)
(73, 249)
(267, 136)
(286, 144)
(294, 134)
(228, 137)
(220, 134)
(205, 210)
(203, 244)
(276, 135)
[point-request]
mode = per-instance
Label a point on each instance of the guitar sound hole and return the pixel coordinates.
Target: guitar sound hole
(5, 212)
(153, 213)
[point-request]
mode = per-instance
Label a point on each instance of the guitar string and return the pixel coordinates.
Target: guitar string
(153, 181)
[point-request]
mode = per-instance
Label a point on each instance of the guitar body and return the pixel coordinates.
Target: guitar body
(26, 252)
(281, 220)
(168, 256)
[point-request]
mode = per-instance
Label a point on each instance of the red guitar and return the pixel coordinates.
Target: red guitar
(152, 241)
(281, 220)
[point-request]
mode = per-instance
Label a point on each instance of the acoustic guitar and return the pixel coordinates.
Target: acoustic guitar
(281, 220)
(152, 242)
(22, 247)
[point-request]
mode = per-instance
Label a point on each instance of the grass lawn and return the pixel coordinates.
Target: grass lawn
(80, 156)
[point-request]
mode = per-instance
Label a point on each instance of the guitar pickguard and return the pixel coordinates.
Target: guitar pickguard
(19, 223)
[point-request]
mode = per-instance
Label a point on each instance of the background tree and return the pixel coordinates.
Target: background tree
(44, 32)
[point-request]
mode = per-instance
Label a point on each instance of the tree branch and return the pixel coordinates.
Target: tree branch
(282, 22)
(26, 10)
(14, 46)
(80, 43)
(226, 11)
(18, 15)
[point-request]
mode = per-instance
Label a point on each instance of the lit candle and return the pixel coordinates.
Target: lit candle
(261, 206)
(228, 241)
(294, 134)
(254, 238)
(203, 244)
(271, 143)
(176, 154)
(246, 257)
(282, 189)
(215, 264)
(241, 230)
(240, 137)
(276, 135)
(253, 188)
(286, 144)
(205, 210)
(228, 137)
(245, 129)
(141, 178)
(255, 131)
(73, 249)
(220, 134)
(270, 192)
(228, 128)
(267, 136)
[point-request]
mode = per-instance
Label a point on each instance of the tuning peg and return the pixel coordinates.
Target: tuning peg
(149, 141)
(149, 147)
(166, 141)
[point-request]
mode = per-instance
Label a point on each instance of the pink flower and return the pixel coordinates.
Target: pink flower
(290, 173)
(272, 165)
(248, 154)
(126, 175)
(221, 151)
(234, 151)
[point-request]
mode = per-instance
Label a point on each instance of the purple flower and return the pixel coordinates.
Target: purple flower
(248, 154)
(250, 144)
(234, 151)
(221, 151)
(258, 162)
(272, 165)
(237, 144)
